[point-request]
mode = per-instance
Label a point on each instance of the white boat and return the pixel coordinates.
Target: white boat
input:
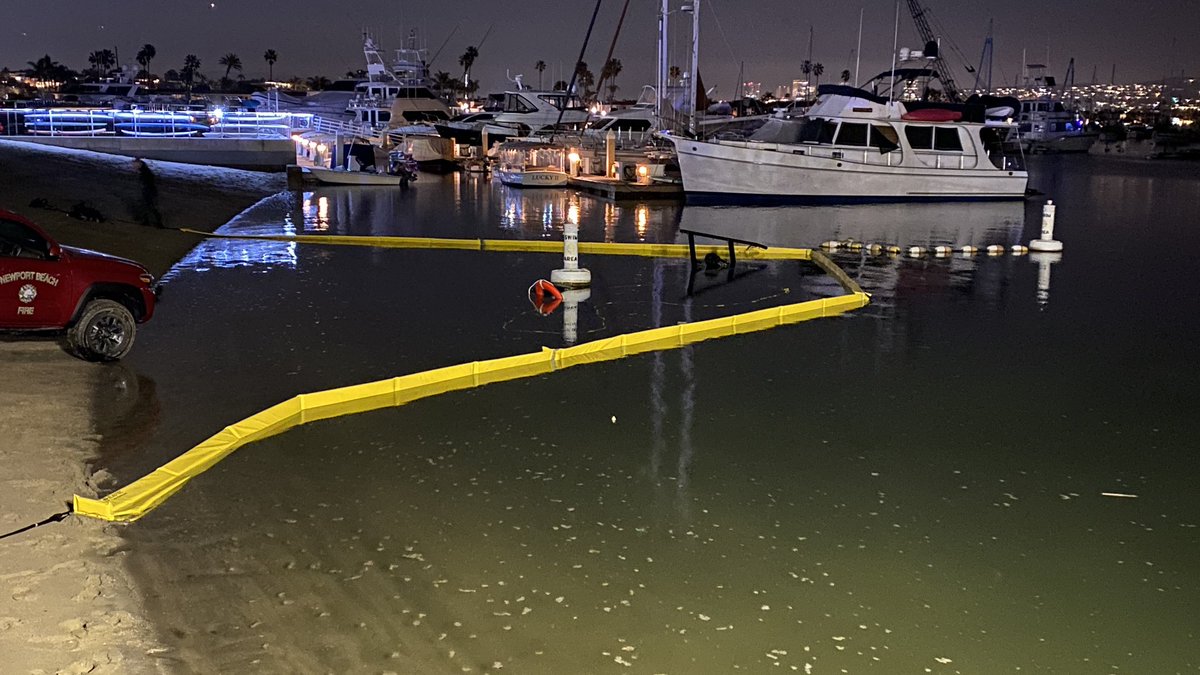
(853, 145)
(1046, 125)
(532, 164)
(631, 126)
(345, 177)
(528, 112)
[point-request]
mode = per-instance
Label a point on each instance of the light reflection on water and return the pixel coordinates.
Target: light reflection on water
(911, 488)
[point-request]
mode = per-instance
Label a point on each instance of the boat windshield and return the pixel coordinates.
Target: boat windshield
(813, 130)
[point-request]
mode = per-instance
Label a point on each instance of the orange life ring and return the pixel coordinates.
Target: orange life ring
(541, 287)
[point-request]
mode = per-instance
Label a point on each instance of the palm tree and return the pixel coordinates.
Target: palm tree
(270, 57)
(609, 74)
(102, 61)
(845, 76)
(540, 66)
(145, 55)
(231, 61)
(445, 83)
(466, 61)
(318, 82)
(584, 79)
(817, 69)
(47, 69)
(561, 85)
(191, 66)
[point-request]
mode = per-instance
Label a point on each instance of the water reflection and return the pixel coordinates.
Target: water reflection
(229, 253)
(956, 224)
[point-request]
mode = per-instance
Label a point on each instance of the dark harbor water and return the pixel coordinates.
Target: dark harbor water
(922, 485)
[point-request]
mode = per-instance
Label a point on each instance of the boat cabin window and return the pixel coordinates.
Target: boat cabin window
(884, 138)
(600, 124)
(632, 125)
(933, 138)
(561, 100)
(920, 138)
(385, 116)
(946, 139)
(817, 130)
(517, 103)
(852, 133)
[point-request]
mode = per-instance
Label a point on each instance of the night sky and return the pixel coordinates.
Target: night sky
(1144, 39)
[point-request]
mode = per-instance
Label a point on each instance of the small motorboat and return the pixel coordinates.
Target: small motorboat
(346, 177)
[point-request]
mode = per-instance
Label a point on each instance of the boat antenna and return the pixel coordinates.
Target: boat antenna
(858, 50)
(895, 49)
(575, 71)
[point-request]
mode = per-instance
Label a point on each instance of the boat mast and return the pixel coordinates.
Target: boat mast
(694, 79)
(895, 49)
(662, 62)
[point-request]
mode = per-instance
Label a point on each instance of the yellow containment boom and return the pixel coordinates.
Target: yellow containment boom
(145, 494)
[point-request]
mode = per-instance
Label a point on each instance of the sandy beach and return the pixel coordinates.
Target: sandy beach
(68, 603)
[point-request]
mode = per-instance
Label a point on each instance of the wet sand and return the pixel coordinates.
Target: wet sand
(69, 604)
(199, 198)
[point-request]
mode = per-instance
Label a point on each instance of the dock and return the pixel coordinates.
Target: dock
(617, 190)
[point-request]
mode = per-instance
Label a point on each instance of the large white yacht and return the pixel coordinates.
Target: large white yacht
(854, 145)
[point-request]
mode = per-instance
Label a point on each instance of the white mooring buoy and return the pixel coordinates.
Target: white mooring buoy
(571, 300)
(1046, 243)
(571, 275)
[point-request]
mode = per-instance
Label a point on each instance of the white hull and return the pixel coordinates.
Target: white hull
(336, 177)
(751, 170)
(532, 178)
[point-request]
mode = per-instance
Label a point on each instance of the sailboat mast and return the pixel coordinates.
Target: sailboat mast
(694, 81)
(662, 62)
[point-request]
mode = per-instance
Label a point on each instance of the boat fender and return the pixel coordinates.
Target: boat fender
(855, 245)
(969, 250)
(995, 249)
(1018, 249)
(893, 249)
(916, 251)
(830, 245)
(875, 249)
(941, 251)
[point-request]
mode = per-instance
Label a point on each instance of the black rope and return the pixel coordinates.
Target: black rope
(56, 518)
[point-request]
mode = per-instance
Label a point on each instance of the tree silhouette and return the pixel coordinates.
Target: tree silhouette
(817, 70)
(318, 82)
(145, 55)
(231, 61)
(560, 85)
(102, 61)
(845, 76)
(445, 83)
(674, 72)
(466, 61)
(191, 66)
(540, 66)
(270, 57)
(609, 74)
(47, 69)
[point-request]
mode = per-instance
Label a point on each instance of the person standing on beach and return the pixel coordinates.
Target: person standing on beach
(150, 213)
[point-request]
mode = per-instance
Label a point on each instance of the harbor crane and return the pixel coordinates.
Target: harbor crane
(939, 67)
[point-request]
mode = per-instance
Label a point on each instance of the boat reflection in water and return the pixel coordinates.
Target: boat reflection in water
(953, 224)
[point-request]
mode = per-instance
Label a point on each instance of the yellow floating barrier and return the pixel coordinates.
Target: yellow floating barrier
(135, 500)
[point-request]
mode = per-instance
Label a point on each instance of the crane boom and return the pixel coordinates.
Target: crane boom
(939, 67)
